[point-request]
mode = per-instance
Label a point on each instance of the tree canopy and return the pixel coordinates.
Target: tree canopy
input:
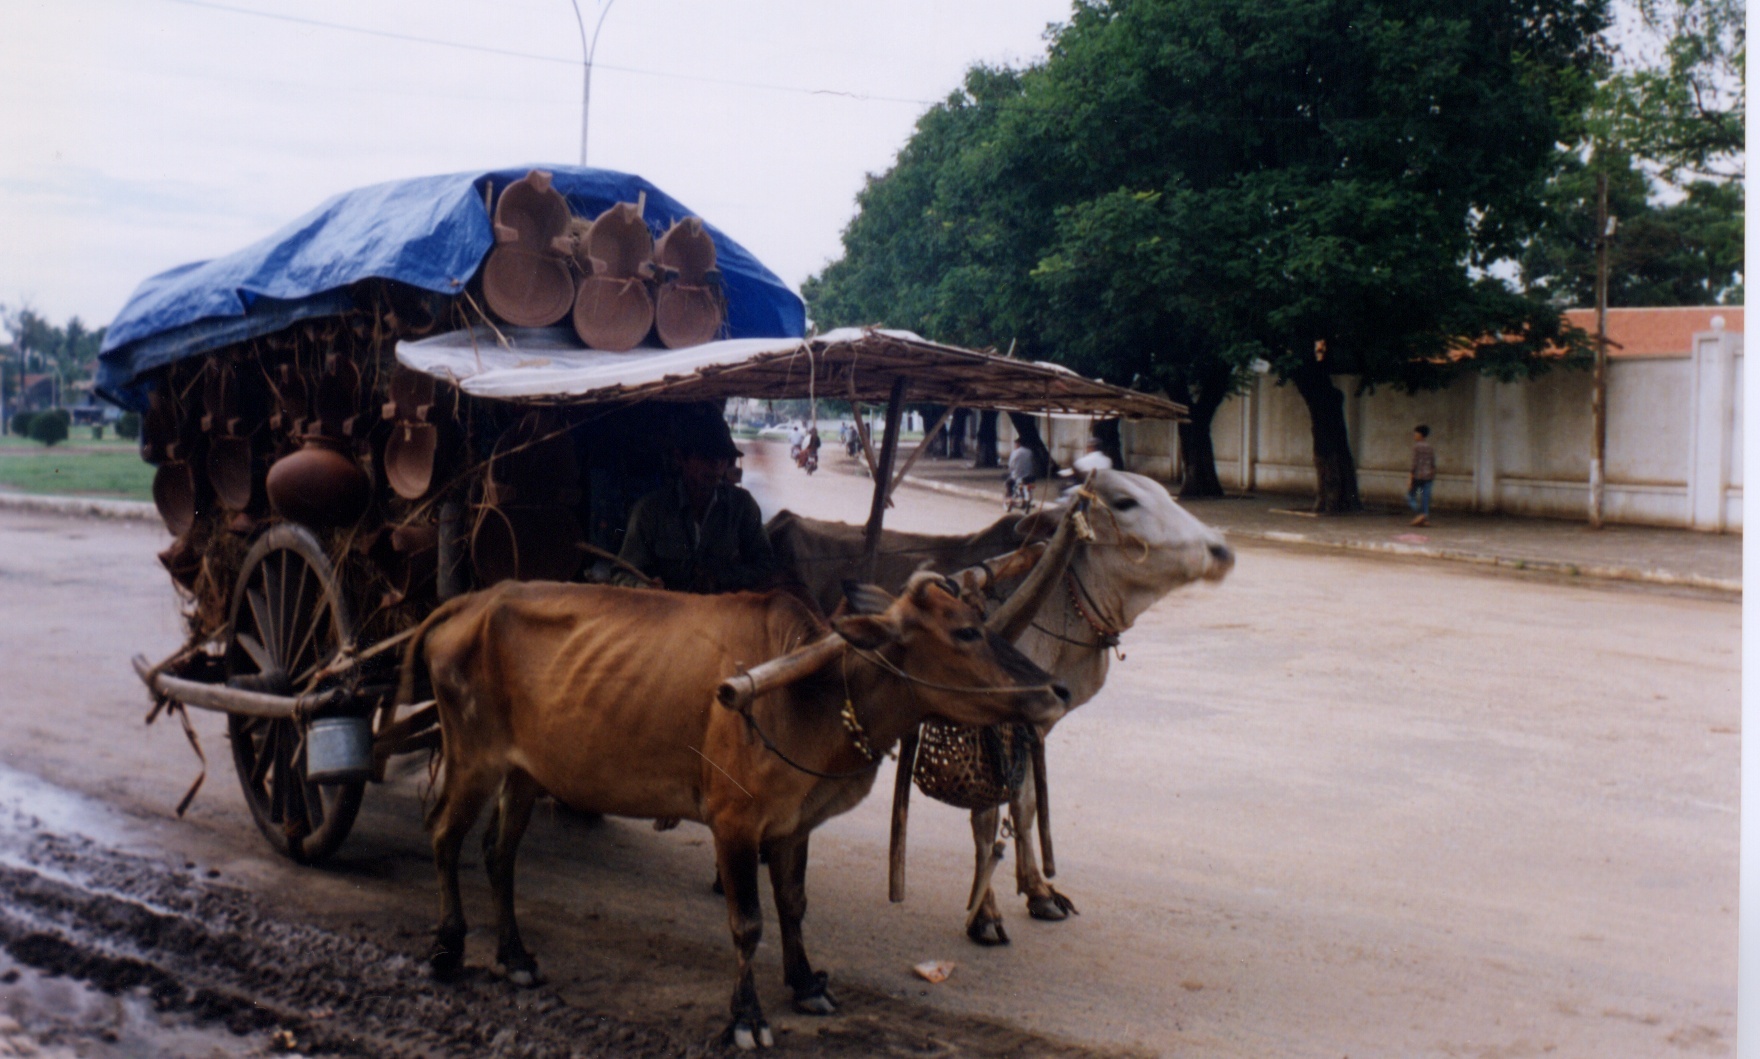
(1318, 183)
(33, 343)
(1687, 112)
(1687, 252)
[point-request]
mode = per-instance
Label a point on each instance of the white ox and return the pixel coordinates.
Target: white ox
(1145, 546)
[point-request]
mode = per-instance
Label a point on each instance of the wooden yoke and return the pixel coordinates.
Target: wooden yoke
(737, 692)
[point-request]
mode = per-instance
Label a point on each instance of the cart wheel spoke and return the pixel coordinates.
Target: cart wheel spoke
(260, 615)
(298, 619)
(259, 654)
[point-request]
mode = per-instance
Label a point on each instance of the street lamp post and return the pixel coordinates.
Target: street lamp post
(587, 50)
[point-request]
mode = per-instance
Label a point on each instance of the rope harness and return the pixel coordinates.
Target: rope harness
(852, 725)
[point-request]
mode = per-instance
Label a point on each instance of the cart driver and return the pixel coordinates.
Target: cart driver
(700, 533)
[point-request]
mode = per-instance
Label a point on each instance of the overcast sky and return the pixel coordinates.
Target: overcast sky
(142, 134)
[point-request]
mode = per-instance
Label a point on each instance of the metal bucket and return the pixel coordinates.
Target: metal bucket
(339, 750)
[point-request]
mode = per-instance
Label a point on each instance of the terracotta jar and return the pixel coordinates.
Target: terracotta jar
(319, 484)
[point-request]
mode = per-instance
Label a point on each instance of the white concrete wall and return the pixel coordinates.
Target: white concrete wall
(1674, 437)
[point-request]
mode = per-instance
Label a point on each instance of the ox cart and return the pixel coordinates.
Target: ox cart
(400, 398)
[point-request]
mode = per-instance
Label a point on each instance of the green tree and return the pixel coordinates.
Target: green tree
(34, 344)
(1185, 186)
(1687, 112)
(1685, 253)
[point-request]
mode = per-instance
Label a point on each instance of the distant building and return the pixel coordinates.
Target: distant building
(34, 394)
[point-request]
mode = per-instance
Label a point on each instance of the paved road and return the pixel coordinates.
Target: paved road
(1333, 806)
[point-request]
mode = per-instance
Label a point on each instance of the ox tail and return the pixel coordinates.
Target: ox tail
(413, 652)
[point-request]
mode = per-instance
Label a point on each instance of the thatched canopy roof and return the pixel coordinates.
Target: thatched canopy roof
(548, 365)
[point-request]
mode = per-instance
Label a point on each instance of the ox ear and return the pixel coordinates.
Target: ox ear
(866, 599)
(868, 632)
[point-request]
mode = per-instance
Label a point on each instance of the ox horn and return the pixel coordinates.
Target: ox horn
(737, 692)
(1018, 610)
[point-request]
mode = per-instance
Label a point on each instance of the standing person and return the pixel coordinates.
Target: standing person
(1023, 471)
(1423, 475)
(701, 533)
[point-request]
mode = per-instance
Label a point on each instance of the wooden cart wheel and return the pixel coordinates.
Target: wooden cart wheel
(288, 619)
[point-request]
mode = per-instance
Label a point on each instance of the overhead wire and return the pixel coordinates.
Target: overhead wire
(513, 53)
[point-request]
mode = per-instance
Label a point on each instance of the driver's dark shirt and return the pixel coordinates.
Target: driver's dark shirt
(726, 552)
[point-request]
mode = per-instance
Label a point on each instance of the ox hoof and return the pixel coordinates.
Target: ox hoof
(525, 975)
(749, 1036)
(987, 932)
(816, 998)
(445, 963)
(1051, 908)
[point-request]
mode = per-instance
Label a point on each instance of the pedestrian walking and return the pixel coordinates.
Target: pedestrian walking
(1423, 475)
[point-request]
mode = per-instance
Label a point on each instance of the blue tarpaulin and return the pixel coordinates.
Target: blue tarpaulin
(429, 232)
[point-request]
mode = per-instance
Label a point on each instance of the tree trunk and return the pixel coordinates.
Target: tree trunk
(937, 444)
(1335, 470)
(1027, 429)
(1110, 442)
(985, 456)
(956, 433)
(1197, 450)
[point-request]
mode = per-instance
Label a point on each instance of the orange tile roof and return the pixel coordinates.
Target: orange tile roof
(1664, 332)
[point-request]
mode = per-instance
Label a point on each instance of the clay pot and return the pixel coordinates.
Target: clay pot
(687, 250)
(526, 278)
(687, 316)
(409, 458)
(412, 396)
(619, 243)
(318, 485)
(525, 289)
(182, 561)
(174, 494)
(613, 314)
(689, 308)
(531, 213)
(229, 471)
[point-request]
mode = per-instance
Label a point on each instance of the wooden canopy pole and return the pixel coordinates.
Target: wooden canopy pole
(922, 447)
(883, 478)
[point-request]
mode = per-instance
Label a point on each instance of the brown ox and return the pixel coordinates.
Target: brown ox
(1146, 546)
(606, 699)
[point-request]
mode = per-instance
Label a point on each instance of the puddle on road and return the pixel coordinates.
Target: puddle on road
(53, 1017)
(36, 805)
(56, 1017)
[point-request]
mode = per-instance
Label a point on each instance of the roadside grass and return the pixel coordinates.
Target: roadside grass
(108, 468)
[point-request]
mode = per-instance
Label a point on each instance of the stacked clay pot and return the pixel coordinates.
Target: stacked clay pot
(621, 285)
(688, 308)
(409, 451)
(613, 309)
(526, 279)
